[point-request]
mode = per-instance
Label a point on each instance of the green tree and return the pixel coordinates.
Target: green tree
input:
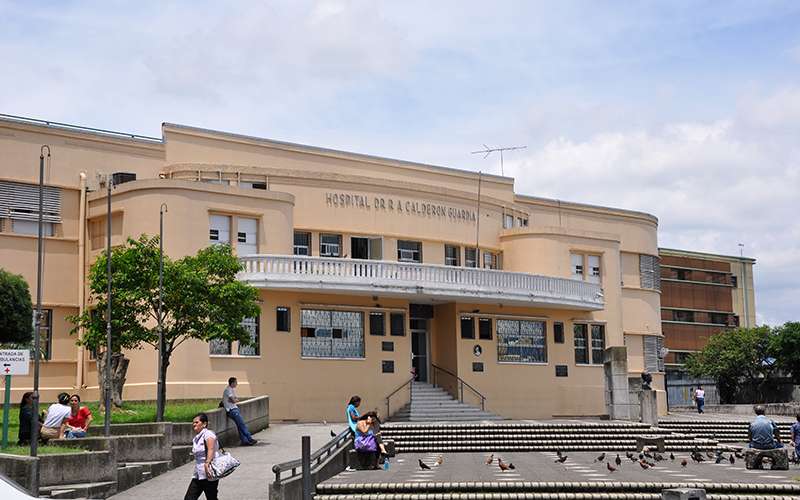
(16, 310)
(786, 346)
(202, 299)
(735, 357)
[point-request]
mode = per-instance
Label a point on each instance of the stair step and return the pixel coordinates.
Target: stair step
(103, 489)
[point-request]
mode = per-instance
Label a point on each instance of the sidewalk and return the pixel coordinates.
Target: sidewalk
(279, 443)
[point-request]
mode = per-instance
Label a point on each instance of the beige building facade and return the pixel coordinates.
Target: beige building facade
(368, 268)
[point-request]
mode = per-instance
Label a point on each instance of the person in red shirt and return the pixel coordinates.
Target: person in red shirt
(79, 420)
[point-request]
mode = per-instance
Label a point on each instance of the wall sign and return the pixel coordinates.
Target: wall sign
(14, 361)
(399, 206)
(562, 371)
(477, 367)
(387, 366)
(477, 350)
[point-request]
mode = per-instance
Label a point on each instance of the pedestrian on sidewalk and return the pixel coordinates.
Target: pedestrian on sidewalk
(699, 398)
(796, 437)
(230, 403)
(204, 449)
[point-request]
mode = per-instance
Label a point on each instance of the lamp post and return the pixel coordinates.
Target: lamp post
(38, 320)
(107, 388)
(160, 397)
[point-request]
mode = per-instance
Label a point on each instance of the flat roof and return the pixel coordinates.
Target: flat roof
(704, 255)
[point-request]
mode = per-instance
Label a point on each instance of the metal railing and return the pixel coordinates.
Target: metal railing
(460, 384)
(287, 271)
(331, 447)
(408, 383)
(80, 128)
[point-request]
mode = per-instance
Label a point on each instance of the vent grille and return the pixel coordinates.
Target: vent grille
(21, 201)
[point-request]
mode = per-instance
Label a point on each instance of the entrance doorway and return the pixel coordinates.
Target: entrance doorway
(419, 348)
(366, 248)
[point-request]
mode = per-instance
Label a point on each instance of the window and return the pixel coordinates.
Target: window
(491, 260)
(283, 320)
(366, 248)
(521, 341)
(467, 327)
(331, 334)
(330, 245)
(253, 185)
(485, 328)
(720, 318)
(579, 332)
(470, 257)
(522, 221)
(20, 203)
(219, 231)
(377, 323)
(452, 255)
(683, 274)
(735, 281)
(594, 268)
(31, 227)
(576, 260)
(687, 316)
(598, 343)
(302, 243)
(397, 324)
(649, 272)
(254, 348)
(558, 332)
(508, 221)
(246, 236)
(45, 334)
(653, 357)
(409, 251)
(219, 347)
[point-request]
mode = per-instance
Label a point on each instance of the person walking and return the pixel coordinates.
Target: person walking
(796, 437)
(230, 402)
(204, 449)
(700, 398)
(79, 420)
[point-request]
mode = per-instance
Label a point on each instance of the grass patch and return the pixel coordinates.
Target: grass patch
(42, 450)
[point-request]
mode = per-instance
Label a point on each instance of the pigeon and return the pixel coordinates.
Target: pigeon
(629, 455)
(512, 466)
(644, 465)
(731, 460)
(683, 462)
(658, 457)
(710, 454)
(333, 434)
(618, 460)
(648, 454)
(672, 456)
(423, 465)
(738, 454)
(558, 452)
(439, 460)
(719, 459)
(601, 457)
(491, 459)
(503, 466)
(610, 467)
(561, 459)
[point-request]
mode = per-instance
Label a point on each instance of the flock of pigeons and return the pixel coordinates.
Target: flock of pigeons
(647, 459)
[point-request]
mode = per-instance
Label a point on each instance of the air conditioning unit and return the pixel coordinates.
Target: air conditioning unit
(122, 177)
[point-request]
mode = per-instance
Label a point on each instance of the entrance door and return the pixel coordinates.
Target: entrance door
(366, 248)
(419, 348)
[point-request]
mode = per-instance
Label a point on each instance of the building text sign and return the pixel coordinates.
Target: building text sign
(398, 205)
(14, 361)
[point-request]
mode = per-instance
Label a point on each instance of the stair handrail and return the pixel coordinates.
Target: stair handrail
(344, 438)
(461, 383)
(389, 396)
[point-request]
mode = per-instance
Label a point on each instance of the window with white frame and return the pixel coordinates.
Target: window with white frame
(409, 251)
(508, 221)
(331, 334)
(31, 227)
(254, 347)
(302, 243)
(521, 341)
(452, 255)
(576, 260)
(219, 231)
(470, 257)
(491, 260)
(330, 245)
(593, 274)
(598, 343)
(246, 236)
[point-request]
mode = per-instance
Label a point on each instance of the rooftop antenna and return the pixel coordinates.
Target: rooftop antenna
(487, 151)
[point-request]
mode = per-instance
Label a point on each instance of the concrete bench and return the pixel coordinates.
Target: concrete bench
(683, 494)
(652, 442)
(778, 457)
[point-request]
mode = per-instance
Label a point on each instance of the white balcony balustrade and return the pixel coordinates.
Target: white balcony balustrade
(409, 280)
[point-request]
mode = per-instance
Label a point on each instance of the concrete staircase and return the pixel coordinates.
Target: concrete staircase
(434, 404)
(731, 431)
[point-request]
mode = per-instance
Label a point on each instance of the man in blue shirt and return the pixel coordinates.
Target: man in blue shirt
(763, 433)
(796, 437)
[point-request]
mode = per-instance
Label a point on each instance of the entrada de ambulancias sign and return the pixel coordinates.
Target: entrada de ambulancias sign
(397, 205)
(14, 361)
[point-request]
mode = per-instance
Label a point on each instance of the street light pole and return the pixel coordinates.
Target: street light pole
(38, 320)
(160, 397)
(107, 388)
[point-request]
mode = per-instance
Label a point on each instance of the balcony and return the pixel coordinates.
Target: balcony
(423, 282)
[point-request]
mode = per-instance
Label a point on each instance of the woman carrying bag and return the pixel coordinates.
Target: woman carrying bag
(204, 449)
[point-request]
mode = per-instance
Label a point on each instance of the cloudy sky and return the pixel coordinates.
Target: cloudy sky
(686, 110)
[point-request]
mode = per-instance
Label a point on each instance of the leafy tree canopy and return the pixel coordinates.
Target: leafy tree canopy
(786, 346)
(16, 310)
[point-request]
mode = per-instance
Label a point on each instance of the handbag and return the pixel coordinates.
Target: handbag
(223, 464)
(365, 443)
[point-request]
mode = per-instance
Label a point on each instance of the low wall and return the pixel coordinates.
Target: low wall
(20, 469)
(86, 467)
(786, 409)
(292, 489)
(255, 412)
(133, 429)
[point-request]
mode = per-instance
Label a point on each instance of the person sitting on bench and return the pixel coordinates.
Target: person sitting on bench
(368, 441)
(763, 433)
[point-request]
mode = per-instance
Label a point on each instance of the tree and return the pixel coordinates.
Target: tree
(16, 310)
(735, 357)
(202, 299)
(786, 346)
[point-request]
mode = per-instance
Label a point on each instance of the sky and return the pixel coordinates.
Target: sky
(686, 110)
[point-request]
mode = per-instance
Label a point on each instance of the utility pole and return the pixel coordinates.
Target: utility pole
(160, 399)
(486, 151)
(107, 388)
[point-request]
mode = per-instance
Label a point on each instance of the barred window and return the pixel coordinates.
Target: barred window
(470, 257)
(452, 255)
(302, 243)
(649, 272)
(653, 358)
(598, 343)
(45, 334)
(219, 347)
(521, 341)
(331, 334)
(580, 334)
(254, 349)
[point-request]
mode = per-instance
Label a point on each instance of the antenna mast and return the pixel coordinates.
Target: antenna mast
(487, 151)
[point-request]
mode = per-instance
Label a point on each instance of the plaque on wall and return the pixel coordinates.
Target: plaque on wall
(562, 371)
(477, 350)
(387, 366)
(477, 367)
(387, 346)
